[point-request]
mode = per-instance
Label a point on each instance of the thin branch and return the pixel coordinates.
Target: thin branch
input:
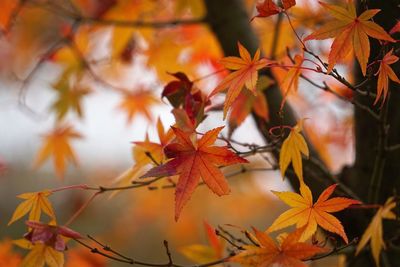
(327, 88)
(140, 23)
(116, 256)
(97, 251)
(393, 148)
(334, 251)
(231, 236)
(25, 82)
(109, 249)
(82, 208)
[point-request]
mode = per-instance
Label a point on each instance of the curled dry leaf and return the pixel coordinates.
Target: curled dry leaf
(49, 235)
(267, 8)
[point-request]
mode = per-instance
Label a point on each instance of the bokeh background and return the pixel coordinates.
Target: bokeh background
(135, 222)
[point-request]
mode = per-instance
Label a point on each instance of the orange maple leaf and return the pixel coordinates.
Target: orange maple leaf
(306, 213)
(57, 145)
(194, 160)
(134, 103)
(247, 102)
(350, 31)
(291, 80)
(34, 203)
(245, 74)
(289, 253)
(385, 73)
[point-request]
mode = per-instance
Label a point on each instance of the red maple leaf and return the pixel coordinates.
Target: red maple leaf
(195, 160)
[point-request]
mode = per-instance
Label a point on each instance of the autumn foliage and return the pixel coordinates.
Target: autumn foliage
(172, 54)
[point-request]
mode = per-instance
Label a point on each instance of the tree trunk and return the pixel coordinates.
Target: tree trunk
(230, 23)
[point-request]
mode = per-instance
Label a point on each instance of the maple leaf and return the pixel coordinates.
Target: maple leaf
(350, 31)
(181, 93)
(385, 73)
(291, 80)
(192, 161)
(34, 203)
(203, 254)
(289, 253)
(57, 145)
(374, 232)
(69, 97)
(247, 102)
(396, 28)
(142, 151)
(306, 213)
(291, 150)
(245, 74)
(137, 102)
(40, 255)
(50, 235)
(268, 8)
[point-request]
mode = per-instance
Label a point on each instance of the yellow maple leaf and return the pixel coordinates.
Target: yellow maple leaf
(201, 253)
(57, 145)
(374, 231)
(306, 213)
(34, 203)
(350, 32)
(291, 150)
(385, 73)
(40, 255)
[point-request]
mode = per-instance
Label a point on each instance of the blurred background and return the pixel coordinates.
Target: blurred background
(35, 59)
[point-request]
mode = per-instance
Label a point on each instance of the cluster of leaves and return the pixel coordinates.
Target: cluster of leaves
(187, 157)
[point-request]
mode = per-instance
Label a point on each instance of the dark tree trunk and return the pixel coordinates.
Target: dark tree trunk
(229, 21)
